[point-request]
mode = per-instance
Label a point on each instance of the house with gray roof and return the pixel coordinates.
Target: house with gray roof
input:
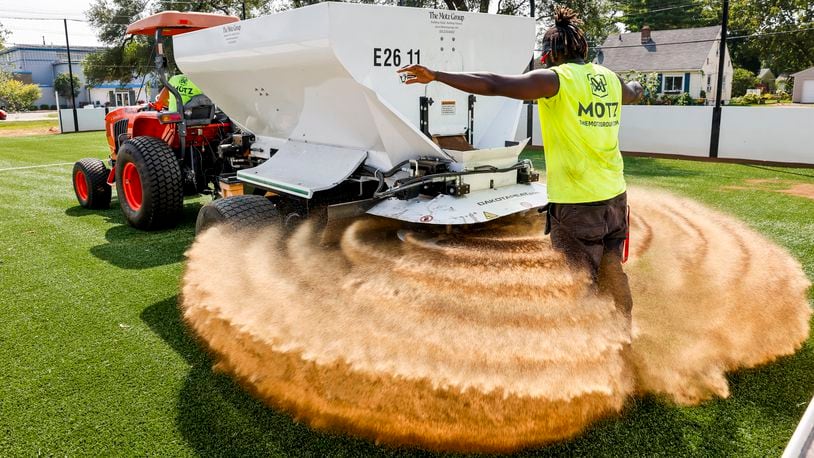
(685, 60)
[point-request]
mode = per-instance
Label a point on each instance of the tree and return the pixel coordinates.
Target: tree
(62, 84)
(17, 95)
(129, 56)
(783, 35)
(764, 33)
(597, 17)
(742, 79)
(3, 34)
(666, 15)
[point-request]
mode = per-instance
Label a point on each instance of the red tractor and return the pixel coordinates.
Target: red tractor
(158, 156)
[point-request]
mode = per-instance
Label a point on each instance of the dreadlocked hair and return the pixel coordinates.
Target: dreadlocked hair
(565, 38)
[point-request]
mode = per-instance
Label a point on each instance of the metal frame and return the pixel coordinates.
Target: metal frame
(181, 126)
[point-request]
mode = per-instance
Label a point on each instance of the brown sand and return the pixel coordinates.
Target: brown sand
(801, 190)
(792, 188)
(710, 296)
(28, 131)
(486, 341)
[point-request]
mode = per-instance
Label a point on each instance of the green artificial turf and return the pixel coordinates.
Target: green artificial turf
(95, 359)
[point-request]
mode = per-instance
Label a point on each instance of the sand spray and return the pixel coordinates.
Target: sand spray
(486, 340)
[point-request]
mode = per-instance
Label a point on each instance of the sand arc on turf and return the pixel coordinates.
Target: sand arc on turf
(487, 340)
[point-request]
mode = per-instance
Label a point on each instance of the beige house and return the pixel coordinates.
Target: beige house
(803, 86)
(767, 80)
(685, 60)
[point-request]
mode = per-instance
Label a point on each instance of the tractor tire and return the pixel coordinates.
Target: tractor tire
(238, 212)
(149, 184)
(90, 183)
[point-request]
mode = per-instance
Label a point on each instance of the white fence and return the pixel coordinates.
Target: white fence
(778, 134)
(782, 134)
(666, 129)
(88, 118)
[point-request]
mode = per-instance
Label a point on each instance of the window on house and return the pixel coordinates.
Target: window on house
(118, 99)
(673, 84)
(122, 99)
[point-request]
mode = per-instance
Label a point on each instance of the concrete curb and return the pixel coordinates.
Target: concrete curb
(801, 444)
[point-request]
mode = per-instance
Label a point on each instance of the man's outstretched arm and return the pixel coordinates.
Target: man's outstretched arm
(632, 92)
(528, 86)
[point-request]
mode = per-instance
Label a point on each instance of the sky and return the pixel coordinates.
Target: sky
(31, 20)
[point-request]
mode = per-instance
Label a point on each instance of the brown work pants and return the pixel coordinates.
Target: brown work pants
(592, 236)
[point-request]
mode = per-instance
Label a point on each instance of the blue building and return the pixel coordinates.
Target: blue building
(40, 65)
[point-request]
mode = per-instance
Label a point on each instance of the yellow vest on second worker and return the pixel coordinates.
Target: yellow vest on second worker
(580, 127)
(185, 87)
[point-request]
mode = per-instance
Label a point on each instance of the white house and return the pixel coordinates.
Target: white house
(686, 60)
(803, 86)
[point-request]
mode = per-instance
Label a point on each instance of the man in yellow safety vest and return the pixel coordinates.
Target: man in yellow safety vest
(184, 86)
(580, 109)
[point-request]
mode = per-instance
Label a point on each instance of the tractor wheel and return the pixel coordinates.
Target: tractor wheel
(90, 183)
(238, 211)
(149, 183)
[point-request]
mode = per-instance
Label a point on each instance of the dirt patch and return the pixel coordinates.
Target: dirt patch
(764, 181)
(738, 188)
(28, 131)
(775, 185)
(801, 189)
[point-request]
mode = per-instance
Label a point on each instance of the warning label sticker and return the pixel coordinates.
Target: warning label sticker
(448, 107)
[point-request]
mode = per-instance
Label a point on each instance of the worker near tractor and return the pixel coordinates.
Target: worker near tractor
(184, 86)
(580, 108)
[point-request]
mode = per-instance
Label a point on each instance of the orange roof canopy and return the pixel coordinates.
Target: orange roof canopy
(175, 22)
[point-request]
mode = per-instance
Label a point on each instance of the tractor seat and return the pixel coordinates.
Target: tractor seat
(199, 111)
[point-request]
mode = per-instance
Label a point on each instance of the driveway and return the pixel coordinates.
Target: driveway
(32, 115)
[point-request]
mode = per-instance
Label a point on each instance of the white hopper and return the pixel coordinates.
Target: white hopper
(319, 85)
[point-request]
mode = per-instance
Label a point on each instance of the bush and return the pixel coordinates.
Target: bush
(752, 99)
(62, 84)
(684, 99)
(18, 95)
(782, 95)
(703, 94)
(52, 107)
(668, 99)
(743, 79)
(44, 106)
(649, 82)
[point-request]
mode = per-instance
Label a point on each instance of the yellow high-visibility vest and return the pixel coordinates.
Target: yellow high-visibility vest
(580, 127)
(185, 87)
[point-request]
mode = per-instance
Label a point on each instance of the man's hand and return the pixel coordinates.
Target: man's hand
(632, 92)
(417, 74)
(638, 89)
